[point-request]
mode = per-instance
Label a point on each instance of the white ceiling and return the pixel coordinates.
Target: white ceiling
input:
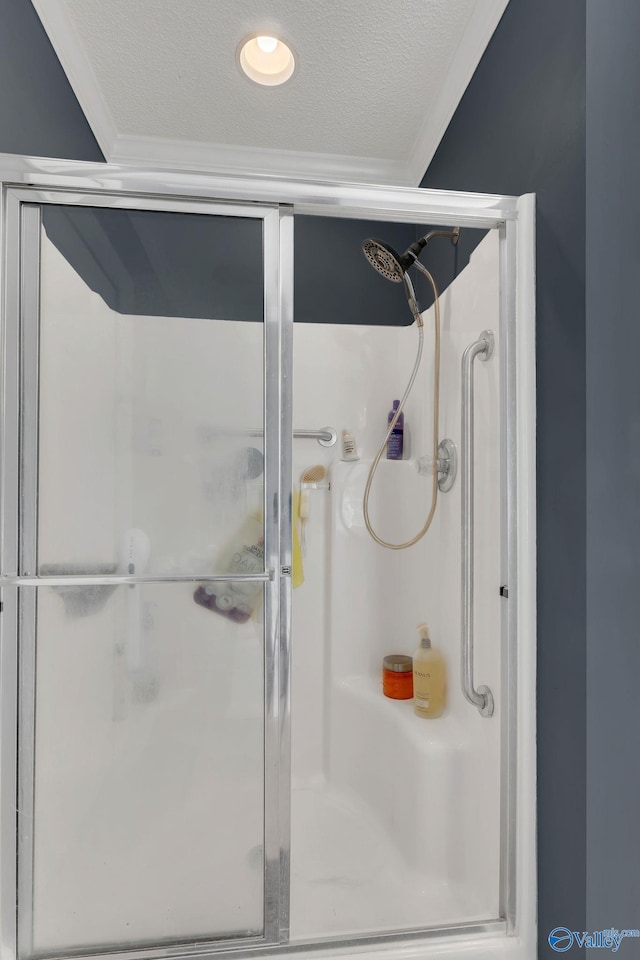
(376, 84)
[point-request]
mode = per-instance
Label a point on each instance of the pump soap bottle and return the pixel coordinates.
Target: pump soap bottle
(429, 678)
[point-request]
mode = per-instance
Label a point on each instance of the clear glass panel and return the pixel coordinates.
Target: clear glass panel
(150, 424)
(148, 788)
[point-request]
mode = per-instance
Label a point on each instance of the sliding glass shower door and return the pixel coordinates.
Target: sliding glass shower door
(142, 577)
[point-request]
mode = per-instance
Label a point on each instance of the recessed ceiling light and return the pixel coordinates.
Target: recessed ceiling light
(266, 60)
(267, 44)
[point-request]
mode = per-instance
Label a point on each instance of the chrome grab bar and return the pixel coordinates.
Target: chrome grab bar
(482, 698)
(326, 436)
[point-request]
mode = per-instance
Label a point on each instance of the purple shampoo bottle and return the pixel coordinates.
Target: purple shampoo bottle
(395, 443)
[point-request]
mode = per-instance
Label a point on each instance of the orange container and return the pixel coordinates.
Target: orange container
(397, 677)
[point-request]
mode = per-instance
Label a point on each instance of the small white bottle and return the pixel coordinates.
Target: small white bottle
(349, 449)
(429, 678)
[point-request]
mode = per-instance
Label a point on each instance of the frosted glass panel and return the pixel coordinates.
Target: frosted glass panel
(142, 423)
(141, 754)
(148, 799)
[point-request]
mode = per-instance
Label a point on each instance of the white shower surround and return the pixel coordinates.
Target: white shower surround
(428, 792)
(522, 943)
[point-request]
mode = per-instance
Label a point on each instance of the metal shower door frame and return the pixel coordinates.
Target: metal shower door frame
(21, 232)
(512, 934)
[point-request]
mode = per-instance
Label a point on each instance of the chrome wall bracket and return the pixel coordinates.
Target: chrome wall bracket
(325, 437)
(489, 345)
(486, 708)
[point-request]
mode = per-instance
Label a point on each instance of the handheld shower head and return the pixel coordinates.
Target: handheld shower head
(383, 258)
(393, 265)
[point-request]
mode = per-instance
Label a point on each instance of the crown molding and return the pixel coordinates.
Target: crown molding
(68, 45)
(225, 160)
(478, 32)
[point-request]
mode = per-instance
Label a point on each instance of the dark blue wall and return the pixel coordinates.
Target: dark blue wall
(167, 264)
(613, 467)
(39, 114)
(520, 128)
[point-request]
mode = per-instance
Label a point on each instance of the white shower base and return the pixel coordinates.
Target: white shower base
(348, 876)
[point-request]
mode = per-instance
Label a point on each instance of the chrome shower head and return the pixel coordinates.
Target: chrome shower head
(383, 258)
(393, 265)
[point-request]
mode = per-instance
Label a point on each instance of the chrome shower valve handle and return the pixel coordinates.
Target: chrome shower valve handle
(446, 465)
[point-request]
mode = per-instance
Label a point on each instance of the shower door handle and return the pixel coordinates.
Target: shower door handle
(482, 698)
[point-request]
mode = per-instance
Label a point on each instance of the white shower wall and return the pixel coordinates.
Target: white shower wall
(395, 820)
(428, 789)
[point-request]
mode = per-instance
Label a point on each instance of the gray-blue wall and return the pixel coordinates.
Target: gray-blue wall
(168, 264)
(613, 467)
(39, 114)
(520, 128)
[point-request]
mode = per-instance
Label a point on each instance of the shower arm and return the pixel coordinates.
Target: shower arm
(414, 251)
(416, 248)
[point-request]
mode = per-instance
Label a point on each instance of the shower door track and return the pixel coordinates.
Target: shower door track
(34, 181)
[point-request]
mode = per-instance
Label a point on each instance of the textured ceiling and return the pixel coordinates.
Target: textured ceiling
(161, 77)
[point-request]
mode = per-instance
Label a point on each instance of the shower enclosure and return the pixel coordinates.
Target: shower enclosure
(196, 754)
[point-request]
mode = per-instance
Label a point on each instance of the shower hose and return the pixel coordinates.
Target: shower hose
(436, 425)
